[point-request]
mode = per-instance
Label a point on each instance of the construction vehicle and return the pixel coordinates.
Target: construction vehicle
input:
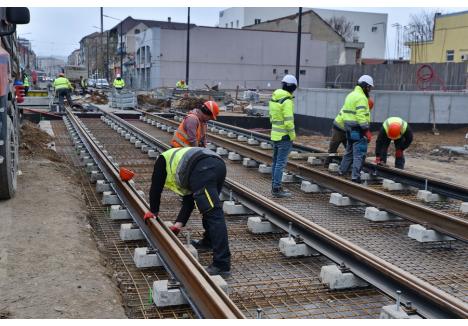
(9, 115)
(73, 73)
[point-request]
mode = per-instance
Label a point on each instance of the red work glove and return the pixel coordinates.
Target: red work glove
(174, 229)
(149, 215)
(399, 153)
(368, 135)
(378, 161)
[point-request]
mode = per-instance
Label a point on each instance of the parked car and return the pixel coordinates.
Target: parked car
(91, 82)
(102, 83)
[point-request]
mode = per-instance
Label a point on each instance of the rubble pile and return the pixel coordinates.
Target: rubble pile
(98, 97)
(188, 103)
(148, 101)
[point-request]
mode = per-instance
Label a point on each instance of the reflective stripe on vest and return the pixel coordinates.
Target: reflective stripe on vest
(389, 121)
(281, 114)
(61, 83)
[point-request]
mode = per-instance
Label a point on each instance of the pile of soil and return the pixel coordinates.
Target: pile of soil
(98, 97)
(148, 101)
(188, 103)
(36, 143)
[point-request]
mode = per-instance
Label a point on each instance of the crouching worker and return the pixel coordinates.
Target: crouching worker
(197, 174)
(395, 129)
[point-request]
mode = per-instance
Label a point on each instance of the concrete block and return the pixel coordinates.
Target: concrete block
(232, 135)
(333, 167)
(252, 141)
(119, 129)
(242, 138)
(158, 125)
(265, 169)
(249, 163)
(144, 258)
(365, 176)
(83, 153)
(338, 199)
(138, 144)
(133, 139)
(464, 207)
(90, 167)
(192, 250)
(152, 153)
(163, 127)
(307, 186)
(144, 148)
(391, 312)
(233, 156)
(130, 232)
(86, 159)
(110, 198)
(211, 146)
(141, 193)
(256, 225)
(421, 234)
(170, 129)
(314, 160)
(221, 151)
(375, 215)
(265, 145)
(123, 133)
(102, 186)
(128, 136)
(428, 197)
(391, 185)
(287, 177)
(335, 279)
(95, 176)
(117, 212)
(290, 248)
(214, 129)
(222, 132)
(230, 207)
(153, 123)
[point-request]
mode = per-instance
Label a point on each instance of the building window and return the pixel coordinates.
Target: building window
(450, 55)
(374, 29)
(274, 70)
(355, 39)
(237, 23)
(137, 31)
(226, 25)
(302, 72)
(257, 21)
(356, 28)
(286, 71)
(232, 24)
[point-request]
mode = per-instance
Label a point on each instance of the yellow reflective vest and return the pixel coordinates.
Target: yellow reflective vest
(355, 111)
(26, 81)
(119, 83)
(403, 124)
(61, 83)
(180, 85)
(339, 122)
(281, 110)
(173, 157)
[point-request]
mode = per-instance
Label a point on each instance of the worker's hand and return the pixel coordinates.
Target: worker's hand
(368, 135)
(149, 215)
(174, 229)
(399, 153)
(378, 161)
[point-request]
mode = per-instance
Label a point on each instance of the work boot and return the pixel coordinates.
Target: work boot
(358, 180)
(200, 245)
(280, 193)
(215, 270)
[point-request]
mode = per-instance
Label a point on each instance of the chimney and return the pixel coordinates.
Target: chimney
(168, 19)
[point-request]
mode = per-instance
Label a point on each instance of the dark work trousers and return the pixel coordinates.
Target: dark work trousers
(62, 93)
(338, 137)
(381, 149)
(206, 182)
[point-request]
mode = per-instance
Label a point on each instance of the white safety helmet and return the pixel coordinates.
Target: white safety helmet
(366, 79)
(118, 76)
(289, 79)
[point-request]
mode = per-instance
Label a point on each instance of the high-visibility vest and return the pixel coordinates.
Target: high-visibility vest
(355, 111)
(83, 83)
(403, 124)
(61, 83)
(281, 110)
(180, 85)
(26, 81)
(179, 164)
(180, 138)
(119, 83)
(339, 122)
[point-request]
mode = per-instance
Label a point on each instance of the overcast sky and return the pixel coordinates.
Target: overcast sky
(57, 31)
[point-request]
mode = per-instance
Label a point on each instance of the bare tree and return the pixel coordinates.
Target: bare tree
(421, 25)
(342, 26)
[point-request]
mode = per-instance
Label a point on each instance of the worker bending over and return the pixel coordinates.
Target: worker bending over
(197, 174)
(356, 117)
(192, 130)
(181, 85)
(118, 83)
(395, 129)
(63, 89)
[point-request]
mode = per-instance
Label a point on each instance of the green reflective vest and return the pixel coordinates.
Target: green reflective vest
(281, 110)
(173, 157)
(355, 111)
(339, 122)
(403, 124)
(62, 82)
(119, 83)
(26, 81)
(180, 85)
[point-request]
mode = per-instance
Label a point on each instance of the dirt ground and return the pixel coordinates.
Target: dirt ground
(50, 266)
(423, 156)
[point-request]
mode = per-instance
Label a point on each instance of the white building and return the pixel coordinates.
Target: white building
(369, 28)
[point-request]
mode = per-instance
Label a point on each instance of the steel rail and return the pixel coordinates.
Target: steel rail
(454, 226)
(445, 188)
(391, 274)
(208, 297)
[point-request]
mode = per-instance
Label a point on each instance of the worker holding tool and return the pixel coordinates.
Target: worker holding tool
(118, 83)
(181, 85)
(281, 110)
(63, 89)
(356, 117)
(197, 174)
(192, 130)
(398, 130)
(338, 135)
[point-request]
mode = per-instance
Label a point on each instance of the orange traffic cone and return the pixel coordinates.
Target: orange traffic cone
(126, 174)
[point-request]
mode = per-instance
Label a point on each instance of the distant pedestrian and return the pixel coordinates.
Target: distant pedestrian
(398, 130)
(281, 111)
(26, 84)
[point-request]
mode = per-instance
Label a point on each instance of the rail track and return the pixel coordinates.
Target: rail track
(431, 301)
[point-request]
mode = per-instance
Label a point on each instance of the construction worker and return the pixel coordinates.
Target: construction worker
(197, 174)
(338, 135)
(192, 130)
(281, 111)
(356, 117)
(26, 84)
(181, 85)
(118, 83)
(83, 85)
(398, 130)
(63, 89)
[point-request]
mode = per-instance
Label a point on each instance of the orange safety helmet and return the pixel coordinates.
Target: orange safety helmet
(212, 107)
(371, 103)
(394, 130)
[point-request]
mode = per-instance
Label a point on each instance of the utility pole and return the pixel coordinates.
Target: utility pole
(188, 48)
(107, 54)
(87, 54)
(298, 50)
(101, 52)
(121, 51)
